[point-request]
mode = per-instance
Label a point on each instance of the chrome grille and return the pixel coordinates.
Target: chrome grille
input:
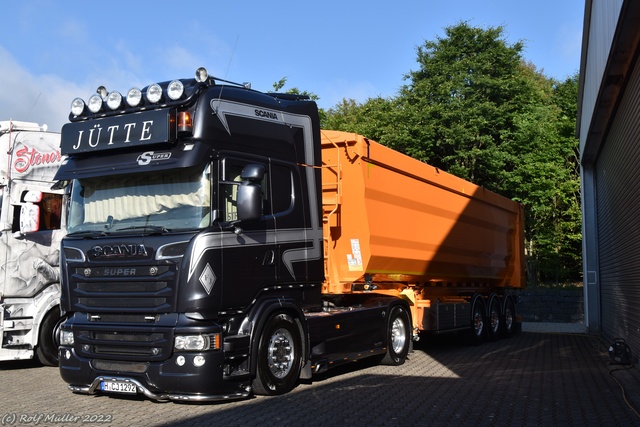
(155, 344)
(143, 289)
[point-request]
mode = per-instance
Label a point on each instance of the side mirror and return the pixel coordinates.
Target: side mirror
(249, 202)
(29, 218)
(33, 196)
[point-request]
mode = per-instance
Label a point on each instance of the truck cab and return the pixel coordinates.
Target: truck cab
(31, 228)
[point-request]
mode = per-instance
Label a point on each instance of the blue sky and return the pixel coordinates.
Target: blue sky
(54, 51)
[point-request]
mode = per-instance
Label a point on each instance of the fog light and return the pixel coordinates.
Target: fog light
(66, 337)
(198, 361)
(180, 360)
(67, 354)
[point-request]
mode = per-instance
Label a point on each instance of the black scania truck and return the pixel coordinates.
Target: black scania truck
(193, 263)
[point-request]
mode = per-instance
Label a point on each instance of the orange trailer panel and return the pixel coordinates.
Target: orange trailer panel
(390, 219)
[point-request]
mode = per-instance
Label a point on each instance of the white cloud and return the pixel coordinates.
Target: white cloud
(43, 99)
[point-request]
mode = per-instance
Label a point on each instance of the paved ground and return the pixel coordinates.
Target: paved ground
(548, 375)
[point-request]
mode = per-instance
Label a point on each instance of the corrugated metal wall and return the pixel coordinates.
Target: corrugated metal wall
(604, 17)
(617, 175)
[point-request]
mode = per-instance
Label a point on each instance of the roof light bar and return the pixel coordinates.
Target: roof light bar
(153, 96)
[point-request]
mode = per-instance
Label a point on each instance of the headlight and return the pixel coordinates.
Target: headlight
(175, 90)
(191, 343)
(154, 93)
(66, 337)
(197, 342)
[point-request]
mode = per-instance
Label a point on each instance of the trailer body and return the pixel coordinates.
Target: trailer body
(398, 226)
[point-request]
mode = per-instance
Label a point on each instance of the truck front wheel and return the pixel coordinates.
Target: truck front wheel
(47, 348)
(279, 356)
(398, 337)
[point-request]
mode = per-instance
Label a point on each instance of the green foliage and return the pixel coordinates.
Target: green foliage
(475, 108)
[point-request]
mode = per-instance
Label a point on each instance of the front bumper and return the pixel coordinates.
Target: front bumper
(160, 381)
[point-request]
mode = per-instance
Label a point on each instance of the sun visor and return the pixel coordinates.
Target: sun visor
(180, 156)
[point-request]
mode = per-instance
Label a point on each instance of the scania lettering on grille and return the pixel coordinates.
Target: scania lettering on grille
(119, 251)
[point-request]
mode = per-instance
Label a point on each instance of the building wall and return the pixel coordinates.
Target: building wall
(609, 132)
(599, 32)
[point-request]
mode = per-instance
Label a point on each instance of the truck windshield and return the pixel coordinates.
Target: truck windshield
(149, 202)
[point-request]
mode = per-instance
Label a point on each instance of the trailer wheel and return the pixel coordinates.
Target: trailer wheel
(509, 317)
(47, 348)
(478, 321)
(494, 318)
(398, 337)
(279, 356)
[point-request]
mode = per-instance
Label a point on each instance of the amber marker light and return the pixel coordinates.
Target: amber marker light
(184, 122)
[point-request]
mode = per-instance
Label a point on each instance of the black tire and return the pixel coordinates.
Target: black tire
(47, 348)
(478, 321)
(508, 317)
(494, 318)
(398, 337)
(279, 356)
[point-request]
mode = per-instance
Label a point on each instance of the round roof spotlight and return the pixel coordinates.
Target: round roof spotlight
(102, 91)
(201, 74)
(175, 90)
(77, 106)
(114, 100)
(154, 93)
(134, 97)
(95, 103)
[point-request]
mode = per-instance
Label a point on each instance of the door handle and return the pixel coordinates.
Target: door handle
(269, 258)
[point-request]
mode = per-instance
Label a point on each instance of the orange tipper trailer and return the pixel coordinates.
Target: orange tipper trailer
(397, 226)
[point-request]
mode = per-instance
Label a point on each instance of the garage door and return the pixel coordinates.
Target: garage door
(618, 213)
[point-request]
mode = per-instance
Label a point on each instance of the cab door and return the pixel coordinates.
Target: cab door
(31, 260)
(248, 249)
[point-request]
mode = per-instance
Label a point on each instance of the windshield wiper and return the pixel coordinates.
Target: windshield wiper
(145, 228)
(88, 233)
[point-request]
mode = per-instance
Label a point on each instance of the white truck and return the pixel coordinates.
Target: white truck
(31, 228)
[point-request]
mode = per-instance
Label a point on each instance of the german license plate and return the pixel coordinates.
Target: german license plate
(118, 387)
